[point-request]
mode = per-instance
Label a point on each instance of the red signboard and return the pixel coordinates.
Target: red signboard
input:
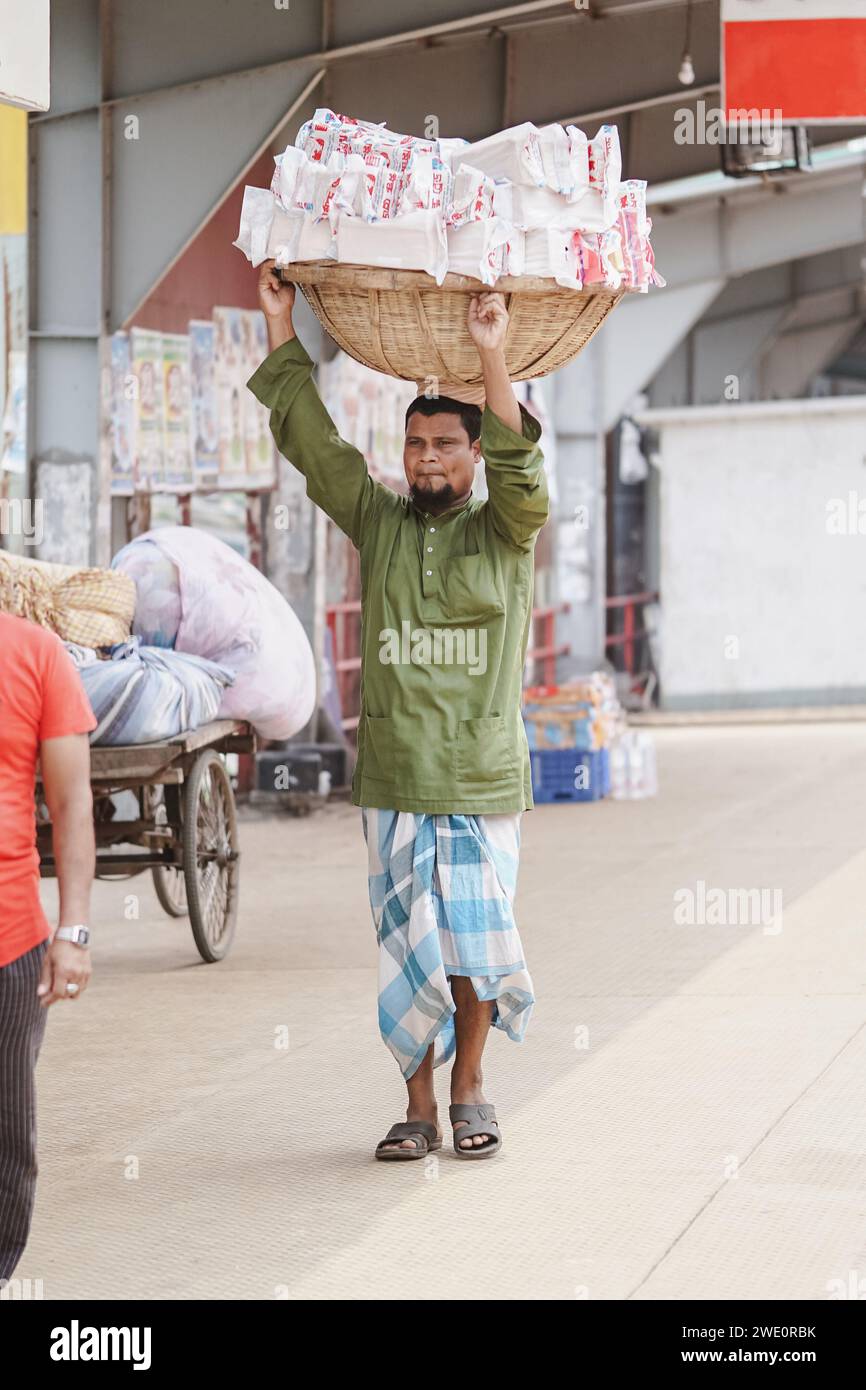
(803, 59)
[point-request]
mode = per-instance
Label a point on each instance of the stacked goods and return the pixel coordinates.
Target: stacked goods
(196, 595)
(585, 714)
(633, 772)
(142, 694)
(91, 606)
(527, 202)
(570, 730)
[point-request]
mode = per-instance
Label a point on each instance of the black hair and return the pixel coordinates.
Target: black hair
(470, 415)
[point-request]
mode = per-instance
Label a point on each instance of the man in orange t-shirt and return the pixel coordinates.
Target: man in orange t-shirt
(44, 715)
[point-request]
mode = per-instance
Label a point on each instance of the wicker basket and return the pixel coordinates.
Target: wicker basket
(401, 323)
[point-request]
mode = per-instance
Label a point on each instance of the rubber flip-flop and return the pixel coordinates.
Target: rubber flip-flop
(410, 1129)
(481, 1120)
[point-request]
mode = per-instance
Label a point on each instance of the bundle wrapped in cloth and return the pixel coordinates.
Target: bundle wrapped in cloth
(144, 694)
(361, 194)
(91, 606)
(197, 595)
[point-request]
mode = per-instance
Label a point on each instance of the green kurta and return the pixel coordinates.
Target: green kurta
(446, 607)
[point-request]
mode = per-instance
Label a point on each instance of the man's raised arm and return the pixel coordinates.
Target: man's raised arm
(336, 472)
(514, 465)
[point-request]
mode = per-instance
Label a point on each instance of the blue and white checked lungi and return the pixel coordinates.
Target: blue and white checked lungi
(441, 891)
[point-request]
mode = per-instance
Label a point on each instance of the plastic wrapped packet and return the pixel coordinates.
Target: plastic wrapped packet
(380, 190)
(413, 242)
(295, 237)
(637, 260)
(550, 253)
(605, 163)
(515, 252)
(597, 254)
(472, 195)
(292, 183)
(479, 249)
(318, 137)
(511, 154)
(427, 184)
(257, 216)
(555, 151)
(542, 207)
(450, 149)
(578, 156)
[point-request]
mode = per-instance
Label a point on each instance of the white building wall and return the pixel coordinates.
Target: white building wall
(762, 538)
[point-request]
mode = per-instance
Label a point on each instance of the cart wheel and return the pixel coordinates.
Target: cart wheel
(170, 889)
(210, 855)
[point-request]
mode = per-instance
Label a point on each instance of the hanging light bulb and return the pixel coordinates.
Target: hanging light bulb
(687, 70)
(686, 73)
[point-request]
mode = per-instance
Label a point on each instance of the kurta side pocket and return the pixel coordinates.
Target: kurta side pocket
(484, 752)
(381, 754)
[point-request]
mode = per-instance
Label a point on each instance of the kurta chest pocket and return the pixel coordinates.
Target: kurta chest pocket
(471, 591)
(484, 751)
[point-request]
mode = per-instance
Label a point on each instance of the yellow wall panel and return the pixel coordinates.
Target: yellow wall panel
(13, 171)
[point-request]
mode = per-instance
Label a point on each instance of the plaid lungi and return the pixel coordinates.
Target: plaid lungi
(441, 891)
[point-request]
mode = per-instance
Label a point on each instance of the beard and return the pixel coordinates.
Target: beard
(432, 499)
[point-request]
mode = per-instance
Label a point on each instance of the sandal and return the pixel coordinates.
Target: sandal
(419, 1130)
(482, 1120)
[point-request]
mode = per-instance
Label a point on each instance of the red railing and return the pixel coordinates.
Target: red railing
(345, 638)
(630, 635)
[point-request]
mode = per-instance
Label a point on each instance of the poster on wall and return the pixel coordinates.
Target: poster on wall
(259, 447)
(230, 388)
(13, 457)
(146, 355)
(177, 472)
(205, 441)
(120, 410)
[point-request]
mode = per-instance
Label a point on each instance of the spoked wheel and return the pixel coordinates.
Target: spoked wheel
(211, 863)
(170, 889)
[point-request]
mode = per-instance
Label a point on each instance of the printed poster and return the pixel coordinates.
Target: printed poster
(120, 412)
(203, 403)
(259, 446)
(230, 377)
(146, 353)
(177, 471)
(14, 450)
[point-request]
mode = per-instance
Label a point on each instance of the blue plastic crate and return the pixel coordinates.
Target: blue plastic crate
(567, 774)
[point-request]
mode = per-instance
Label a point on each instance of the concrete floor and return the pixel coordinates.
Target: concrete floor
(685, 1118)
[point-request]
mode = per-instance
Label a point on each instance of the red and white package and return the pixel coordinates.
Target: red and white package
(427, 184)
(634, 227)
(596, 255)
(472, 196)
(605, 160)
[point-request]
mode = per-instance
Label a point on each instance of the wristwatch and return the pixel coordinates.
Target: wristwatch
(78, 935)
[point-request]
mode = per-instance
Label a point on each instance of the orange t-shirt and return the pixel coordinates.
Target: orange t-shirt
(41, 697)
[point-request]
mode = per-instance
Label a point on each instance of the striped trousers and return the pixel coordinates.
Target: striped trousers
(22, 1026)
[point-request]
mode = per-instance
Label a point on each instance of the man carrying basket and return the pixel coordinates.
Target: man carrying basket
(442, 774)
